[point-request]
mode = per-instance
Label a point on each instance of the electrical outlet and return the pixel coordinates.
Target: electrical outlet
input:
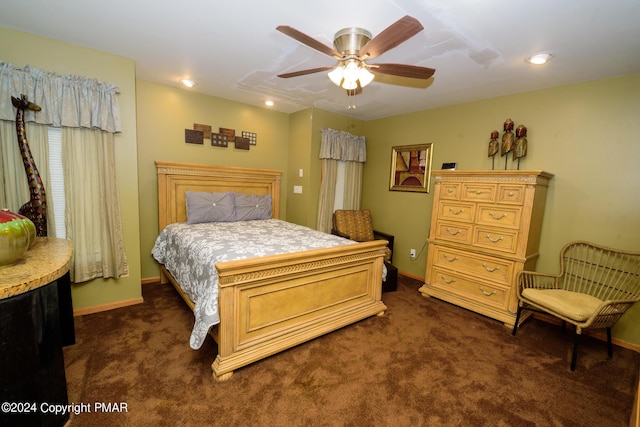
(412, 253)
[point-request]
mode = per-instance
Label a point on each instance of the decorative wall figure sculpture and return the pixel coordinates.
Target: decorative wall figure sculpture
(507, 140)
(520, 149)
(36, 208)
(493, 147)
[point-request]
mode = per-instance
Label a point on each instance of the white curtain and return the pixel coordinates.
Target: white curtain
(70, 101)
(353, 185)
(327, 194)
(340, 146)
(88, 111)
(92, 220)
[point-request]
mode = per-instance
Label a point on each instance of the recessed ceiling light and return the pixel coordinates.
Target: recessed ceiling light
(268, 103)
(539, 58)
(188, 82)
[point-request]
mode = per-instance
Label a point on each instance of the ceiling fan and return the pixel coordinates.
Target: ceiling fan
(353, 47)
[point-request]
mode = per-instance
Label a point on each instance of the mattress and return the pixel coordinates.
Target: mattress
(190, 251)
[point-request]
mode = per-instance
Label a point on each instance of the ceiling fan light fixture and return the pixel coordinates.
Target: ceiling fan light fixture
(365, 77)
(349, 84)
(348, 76)
(336, 74)
(351, 71)
(539, 58)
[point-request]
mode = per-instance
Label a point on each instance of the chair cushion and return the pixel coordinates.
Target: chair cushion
(387, 254)
(354, 223)
(572, 305)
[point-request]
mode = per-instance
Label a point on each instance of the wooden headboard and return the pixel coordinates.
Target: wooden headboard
(175, 179)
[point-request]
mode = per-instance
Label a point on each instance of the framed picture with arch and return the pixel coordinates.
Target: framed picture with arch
(411, 168)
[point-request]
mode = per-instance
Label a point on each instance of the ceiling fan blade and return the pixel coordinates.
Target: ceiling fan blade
(403, 70)
(398, 32)
(307, 40)
(304, 72)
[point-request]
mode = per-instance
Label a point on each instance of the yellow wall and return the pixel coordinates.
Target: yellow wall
(165, 112)
(22, 49)
(586, 134)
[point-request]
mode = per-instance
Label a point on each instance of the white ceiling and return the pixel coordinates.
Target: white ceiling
(232, 49)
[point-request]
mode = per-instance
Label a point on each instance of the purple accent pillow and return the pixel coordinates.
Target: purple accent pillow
(252, 206)
(210, 207)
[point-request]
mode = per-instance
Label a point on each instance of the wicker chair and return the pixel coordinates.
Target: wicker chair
(596, 285)
(357, 225)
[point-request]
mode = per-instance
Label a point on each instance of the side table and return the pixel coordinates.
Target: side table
(36, 320)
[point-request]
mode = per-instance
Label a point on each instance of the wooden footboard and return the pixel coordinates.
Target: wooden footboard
(272, 303)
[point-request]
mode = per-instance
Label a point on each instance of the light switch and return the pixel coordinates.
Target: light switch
(297, 189)
(300, 173)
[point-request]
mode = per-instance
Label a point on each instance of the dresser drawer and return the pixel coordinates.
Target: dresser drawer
(499, 216)
(496, 238)
(450, 191)
(456, 211)
(478, 192)
(494, 269)
(458, 284)
(511, 193)
(454, 232)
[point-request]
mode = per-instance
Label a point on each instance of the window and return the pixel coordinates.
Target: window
(57, 180)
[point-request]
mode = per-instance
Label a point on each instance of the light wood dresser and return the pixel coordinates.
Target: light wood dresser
(485, 228)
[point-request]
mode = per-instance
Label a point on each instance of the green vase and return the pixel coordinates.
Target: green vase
(17, 234)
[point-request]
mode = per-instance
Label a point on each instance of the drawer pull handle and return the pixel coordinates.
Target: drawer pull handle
(496, 217)
(490, 270)
(449, 190)
(479, 192)
(453, 233)
(448, 282)
(488, 294)
(458, 212)
(510, 194)
(494, 240)
(455, 258)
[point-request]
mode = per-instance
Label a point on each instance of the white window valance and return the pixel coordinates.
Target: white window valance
(341, 145)
(69, 101)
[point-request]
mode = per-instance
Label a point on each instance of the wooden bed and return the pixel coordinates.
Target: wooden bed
(272, 303)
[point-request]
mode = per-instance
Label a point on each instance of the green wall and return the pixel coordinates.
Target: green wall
(165, 112)
(304, 149)
(586, 134)
(326, 120)
(300, 132)
(22, 49)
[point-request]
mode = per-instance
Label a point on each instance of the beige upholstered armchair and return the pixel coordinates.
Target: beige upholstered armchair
(594, 288)
(357, 225)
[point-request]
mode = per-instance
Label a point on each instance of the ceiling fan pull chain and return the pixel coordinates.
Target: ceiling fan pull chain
(351, 100)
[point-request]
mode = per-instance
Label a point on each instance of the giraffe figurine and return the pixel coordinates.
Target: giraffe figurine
(36, 208)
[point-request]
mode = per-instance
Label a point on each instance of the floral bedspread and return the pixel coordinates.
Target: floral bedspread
(190, 251)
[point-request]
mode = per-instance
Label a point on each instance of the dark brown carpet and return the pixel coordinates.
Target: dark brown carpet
(425, 363)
